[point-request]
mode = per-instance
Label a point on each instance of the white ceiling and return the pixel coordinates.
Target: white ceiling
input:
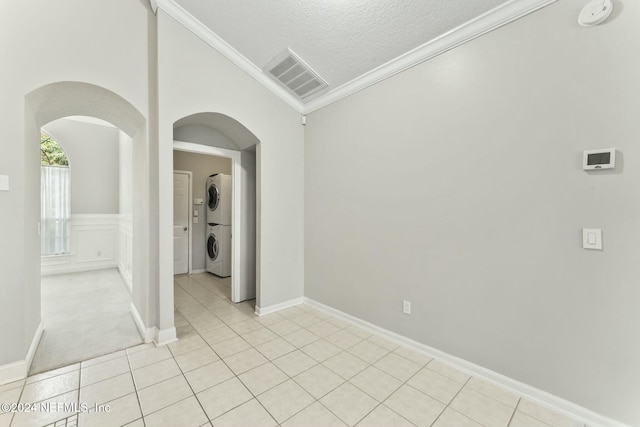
(343, 40)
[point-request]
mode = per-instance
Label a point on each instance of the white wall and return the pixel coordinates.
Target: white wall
(204, 135)
(248, 243)
(84, 48)
(193, 78)
(125, 204)
(92, 151)
(457, 185)
(202, 166)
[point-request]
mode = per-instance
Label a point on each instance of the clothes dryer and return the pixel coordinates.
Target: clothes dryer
(219, 199)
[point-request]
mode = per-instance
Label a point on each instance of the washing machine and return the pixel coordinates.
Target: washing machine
(219, 249)
(219, 199)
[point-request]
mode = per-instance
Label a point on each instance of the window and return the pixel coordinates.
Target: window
(55, 197)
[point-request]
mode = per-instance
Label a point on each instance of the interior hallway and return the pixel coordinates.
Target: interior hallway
(84, 315)
(298, 367)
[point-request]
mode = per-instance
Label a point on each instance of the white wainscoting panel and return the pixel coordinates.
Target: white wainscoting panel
(93, 245)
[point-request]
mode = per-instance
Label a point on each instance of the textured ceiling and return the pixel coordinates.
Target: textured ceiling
(339, 39)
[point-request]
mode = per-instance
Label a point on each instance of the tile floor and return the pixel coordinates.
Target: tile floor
(297, 367)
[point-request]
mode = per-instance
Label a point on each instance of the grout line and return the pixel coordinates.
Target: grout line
(515, 408)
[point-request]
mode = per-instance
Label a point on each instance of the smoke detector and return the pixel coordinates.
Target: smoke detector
(595, 12)
(294, 74)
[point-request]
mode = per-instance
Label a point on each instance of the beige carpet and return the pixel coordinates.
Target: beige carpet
(84, 315)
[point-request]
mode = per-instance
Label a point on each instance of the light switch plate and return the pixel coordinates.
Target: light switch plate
(592, 238)
(4, 182)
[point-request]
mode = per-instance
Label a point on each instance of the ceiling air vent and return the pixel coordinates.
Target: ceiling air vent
(295, 74)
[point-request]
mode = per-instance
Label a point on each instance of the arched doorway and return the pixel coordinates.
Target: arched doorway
(62, 99)
(215, 134)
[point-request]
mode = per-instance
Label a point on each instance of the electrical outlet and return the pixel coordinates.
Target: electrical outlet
(406, 307)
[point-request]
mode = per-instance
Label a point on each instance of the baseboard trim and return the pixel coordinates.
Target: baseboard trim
(165, 336)
(261, 311)
(74, 266)
(147, 334)
(198, 271)
(16, 371)
(584, 416)
(125, 277)
(11, 372)
(34, 346)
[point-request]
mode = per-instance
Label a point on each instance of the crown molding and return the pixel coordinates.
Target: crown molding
(212, 39)
(154, 6)
(488, 21)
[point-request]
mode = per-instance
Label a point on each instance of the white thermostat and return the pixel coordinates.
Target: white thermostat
(604, 158)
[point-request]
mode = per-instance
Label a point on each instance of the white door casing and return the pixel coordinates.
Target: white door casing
(181, 221)
(242, 286)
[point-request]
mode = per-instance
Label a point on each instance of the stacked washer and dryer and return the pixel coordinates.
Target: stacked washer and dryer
(219, 224)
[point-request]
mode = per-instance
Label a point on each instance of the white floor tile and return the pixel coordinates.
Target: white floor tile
(349, 403)
(452, 418)
(321, 350)
(209, 375)
(103, 371)
(263, 378)
(285, 327)
(481, 408)
(153, 374)
(415, 406)
(315, 415)
(11, 396)
(5, 419)
(107, 390)
(121, 411)
(223, 397)
(50, 387)
(384, 417)
(435, 385)
(448, 371)
(259, 336)
(368, 351)
(42, 418)
(163, 394)
(186, 413)
(229, 347)
(245, 360)
(104, 358)
(301, 337)
(346, 365)
(323, 329)
(343, 339)
(275, 348)
(544, 414)
(196, 359)
(318, 380)
(249, 414)
(67, 369)
(187, 345)
(493, 391)
(415, 356)
(520, 419)
(285, 400)
(397, 366)
(294, 363)
(376, 383)
(149, 357)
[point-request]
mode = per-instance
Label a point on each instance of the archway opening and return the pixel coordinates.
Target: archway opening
(214, 148)
(44, 108)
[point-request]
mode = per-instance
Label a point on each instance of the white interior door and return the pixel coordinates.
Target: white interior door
(180, 223)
